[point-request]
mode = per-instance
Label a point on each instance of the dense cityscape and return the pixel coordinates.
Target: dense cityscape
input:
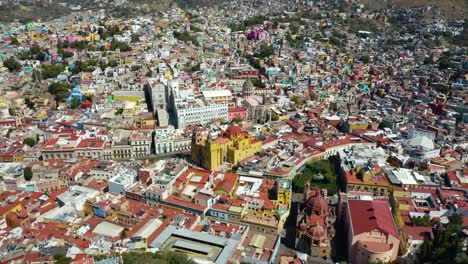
(327, 131)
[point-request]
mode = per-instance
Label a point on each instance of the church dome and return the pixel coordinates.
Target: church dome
(234, 130)
(248, 88)
(317, 232)
(303, 227)
(318, 205)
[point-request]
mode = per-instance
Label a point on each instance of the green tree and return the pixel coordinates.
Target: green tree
(122, 46)
(123, 235)
(426, 250)
(27, 173)
(29, 141)
(186, 37)
(297, 100)
(60, 90)
(52, 70)
(30, 104)
(12, 65)
(14, 41)
(365, 59)
(158, 257)
(135, 38)
(258, 83)
(237, 120)
(112, 63)
(445, 62)
(62, 259)
(265, 51)
(118, 111)
(11, 111)
(429, 60)
(75, 103)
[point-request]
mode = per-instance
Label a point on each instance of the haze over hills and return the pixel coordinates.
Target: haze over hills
(447, 8)
(28, 10)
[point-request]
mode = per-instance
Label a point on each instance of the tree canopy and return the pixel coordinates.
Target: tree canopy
(60, 90)
(12, 65)
(30, 141)
(28, 174)
(160, 257)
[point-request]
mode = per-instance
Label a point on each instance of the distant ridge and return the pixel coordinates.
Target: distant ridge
(447, 8)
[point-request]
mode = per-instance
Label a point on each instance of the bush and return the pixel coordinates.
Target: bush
(30, 141)
(365, 59)
(60, 90)
(186, 37)
(52, 70)
(122, 46)
(265, 51)
(28, 174)
(12, 65)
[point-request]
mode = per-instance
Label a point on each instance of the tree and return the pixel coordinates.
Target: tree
(297, 100)
(52, 70)
(365, 59)
(118, 111)
(135, 38)
(237, 119)
(27, 173)
(11, 111)
(158, 257)
(122, 46)
(186, 37)
(60, 90)
(265, 51)
(12, 65)
(112, 63)
(29, 141)
(429, 60)
(75, 103)
(194, 68)
(426, 250)
(123, 235)
(258, 83)
(30, 104)
(445, 62)
(14, 41)
(62, 259)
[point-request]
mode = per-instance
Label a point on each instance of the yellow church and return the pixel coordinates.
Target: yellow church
(232, 145)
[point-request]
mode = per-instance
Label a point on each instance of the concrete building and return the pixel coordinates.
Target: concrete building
(123, 180)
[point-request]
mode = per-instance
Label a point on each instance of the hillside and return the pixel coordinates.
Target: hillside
(25, 11)
(448, 8)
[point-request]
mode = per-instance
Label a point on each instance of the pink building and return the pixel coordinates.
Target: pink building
(372, 234)
(234, 112)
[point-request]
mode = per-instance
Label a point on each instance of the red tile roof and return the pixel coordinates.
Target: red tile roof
(370, 215)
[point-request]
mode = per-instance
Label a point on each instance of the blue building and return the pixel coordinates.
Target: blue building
(76, 94)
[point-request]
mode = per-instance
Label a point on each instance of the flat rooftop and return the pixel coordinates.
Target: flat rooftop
(198, 245)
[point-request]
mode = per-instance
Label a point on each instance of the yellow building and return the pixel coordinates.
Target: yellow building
(232, 145)
(373, 180)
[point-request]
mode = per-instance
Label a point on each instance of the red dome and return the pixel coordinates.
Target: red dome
(317, 232)
(302, 227)
(317, 204)
(234, 130)
(316, 219)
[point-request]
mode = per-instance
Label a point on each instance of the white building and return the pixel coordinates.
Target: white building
(168, 139)
(76, 197)
(123, 180)
(200, 114)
